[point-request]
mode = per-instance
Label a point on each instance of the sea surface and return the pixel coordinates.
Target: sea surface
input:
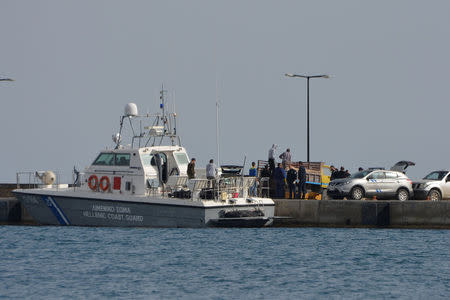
(270, 263)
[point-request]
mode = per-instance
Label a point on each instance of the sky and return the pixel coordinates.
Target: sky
(77, 63)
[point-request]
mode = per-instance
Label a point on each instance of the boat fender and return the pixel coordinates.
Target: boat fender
(104, 183)
(93, 182)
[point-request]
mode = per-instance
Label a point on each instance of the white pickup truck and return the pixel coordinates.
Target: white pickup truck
(435, 186)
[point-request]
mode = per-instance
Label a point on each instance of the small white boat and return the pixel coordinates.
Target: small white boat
(146, 186)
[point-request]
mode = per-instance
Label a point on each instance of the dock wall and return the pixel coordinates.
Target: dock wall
(369, 213)
(12, 212)
(324, 213)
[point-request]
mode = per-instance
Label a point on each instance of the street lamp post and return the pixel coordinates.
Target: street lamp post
(308, 77)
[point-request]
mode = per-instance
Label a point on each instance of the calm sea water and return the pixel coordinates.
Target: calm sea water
(280, 263)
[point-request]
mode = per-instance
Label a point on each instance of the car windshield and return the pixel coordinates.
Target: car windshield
(438, 175)
(360, 174)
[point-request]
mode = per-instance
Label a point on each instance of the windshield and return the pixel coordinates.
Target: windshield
(181, 158)
(147, 159)
(360, 174)
(104, 159)
(111, 159)
(438, 175)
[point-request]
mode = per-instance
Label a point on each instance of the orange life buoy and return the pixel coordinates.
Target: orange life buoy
(104, 183)
(93, 182)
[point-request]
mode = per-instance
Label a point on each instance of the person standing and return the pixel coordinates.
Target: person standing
(211, 173)
(191, 169)
(286, 158)
(253, 172)
(279, 176)
(340, 174)
(333, 172)
(291, 177)
(272, 158)
(301, 181)
(211, 170)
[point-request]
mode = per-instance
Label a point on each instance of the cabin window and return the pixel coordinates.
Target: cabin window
(104, 159)
(111, 159)
(181, 158)
(122, 159)
(146, 159)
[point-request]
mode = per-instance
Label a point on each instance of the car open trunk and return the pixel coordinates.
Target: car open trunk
(402, 165)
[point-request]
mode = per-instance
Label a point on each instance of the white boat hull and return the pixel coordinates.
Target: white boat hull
(70, 209)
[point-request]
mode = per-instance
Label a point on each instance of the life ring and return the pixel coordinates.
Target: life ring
(104, 183)
(93, 182)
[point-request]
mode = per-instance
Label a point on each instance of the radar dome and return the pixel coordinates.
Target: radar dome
(48, 177)
(131, 110)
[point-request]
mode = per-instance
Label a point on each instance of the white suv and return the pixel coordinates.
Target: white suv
(435, 186)
(370, 183)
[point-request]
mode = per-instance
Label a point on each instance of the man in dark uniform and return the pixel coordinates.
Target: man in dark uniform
(291, 177)
(279, 175)
(301, 181)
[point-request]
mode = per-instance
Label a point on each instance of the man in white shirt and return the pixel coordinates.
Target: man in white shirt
(286, 158)
(211, 170)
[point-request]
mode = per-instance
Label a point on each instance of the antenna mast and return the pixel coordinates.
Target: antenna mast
(217, 123)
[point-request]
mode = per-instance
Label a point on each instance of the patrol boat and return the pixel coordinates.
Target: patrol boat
(145, 186)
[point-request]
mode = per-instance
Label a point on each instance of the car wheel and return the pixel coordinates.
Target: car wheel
(435, 195)
(402, 195)
(357, 193)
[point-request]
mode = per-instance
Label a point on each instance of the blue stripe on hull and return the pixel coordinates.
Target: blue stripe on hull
(56, 210)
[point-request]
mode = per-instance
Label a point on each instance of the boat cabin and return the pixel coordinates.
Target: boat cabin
(135, 171)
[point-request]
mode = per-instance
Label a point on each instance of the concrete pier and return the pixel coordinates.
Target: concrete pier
(366, 213)
(12, 212)
(300, 213)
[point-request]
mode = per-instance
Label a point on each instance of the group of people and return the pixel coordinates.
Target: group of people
(286, 173)
(280, 175)
(296, 181)
(338, 174)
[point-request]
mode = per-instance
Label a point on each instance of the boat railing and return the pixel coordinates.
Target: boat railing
(222, 188)
(34, 179)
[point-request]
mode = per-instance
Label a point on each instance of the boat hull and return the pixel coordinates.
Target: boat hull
(81, 211)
